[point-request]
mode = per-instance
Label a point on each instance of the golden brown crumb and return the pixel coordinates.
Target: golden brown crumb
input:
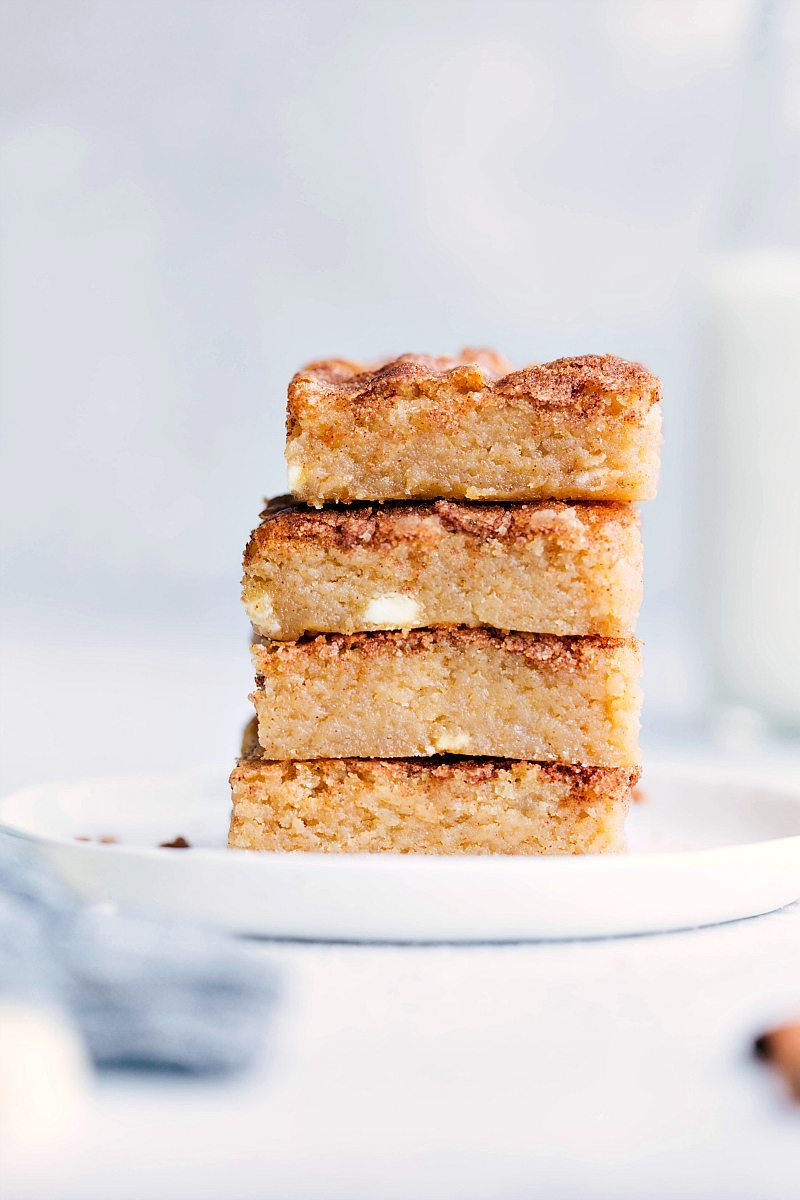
(450, 690)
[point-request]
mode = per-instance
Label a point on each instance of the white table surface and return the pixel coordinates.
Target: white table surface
(595, 1069)
(580, 1070)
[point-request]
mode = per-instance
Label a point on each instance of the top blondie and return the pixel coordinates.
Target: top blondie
(469, 428)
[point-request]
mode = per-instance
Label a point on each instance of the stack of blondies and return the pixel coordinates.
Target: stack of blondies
(444, 610)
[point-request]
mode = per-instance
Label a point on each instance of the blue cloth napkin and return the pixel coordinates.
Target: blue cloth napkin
(143, 993)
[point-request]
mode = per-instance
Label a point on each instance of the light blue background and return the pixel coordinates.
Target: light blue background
(199, 197)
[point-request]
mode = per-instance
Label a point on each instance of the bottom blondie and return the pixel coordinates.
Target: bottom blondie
(429, 806)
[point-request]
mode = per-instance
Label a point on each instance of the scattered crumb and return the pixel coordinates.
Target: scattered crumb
(178, 843)
(639, 795)
(781, 1049)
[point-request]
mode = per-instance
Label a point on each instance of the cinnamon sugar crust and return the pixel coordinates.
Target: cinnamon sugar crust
(565, 654)
(581, 384)
(285, 521)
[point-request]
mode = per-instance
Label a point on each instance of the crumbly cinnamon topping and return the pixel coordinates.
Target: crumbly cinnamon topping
(285, 522)
(562, 653)
(584, 385)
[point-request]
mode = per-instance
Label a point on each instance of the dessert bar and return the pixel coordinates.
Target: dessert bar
(428, 806)
(418, 427)
(449, 690)
(540, 567)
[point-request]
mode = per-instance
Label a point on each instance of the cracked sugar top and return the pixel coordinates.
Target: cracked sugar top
(284, 523)
(419, 427)
(585, 384)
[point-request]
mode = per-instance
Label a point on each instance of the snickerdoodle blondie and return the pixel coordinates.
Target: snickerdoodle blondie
(428, 806)
(540, 567)
(419, 427)
(449, 690)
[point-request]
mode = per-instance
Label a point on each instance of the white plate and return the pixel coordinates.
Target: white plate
(704, 848)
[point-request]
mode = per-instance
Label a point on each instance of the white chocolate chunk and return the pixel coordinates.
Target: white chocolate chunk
(392, 610)
(451, 743)
(296, 476)
(262, 614)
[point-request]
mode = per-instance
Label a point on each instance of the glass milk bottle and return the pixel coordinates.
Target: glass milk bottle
(752, 376)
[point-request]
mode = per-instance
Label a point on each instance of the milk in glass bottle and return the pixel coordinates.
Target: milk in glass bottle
(752, 460)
